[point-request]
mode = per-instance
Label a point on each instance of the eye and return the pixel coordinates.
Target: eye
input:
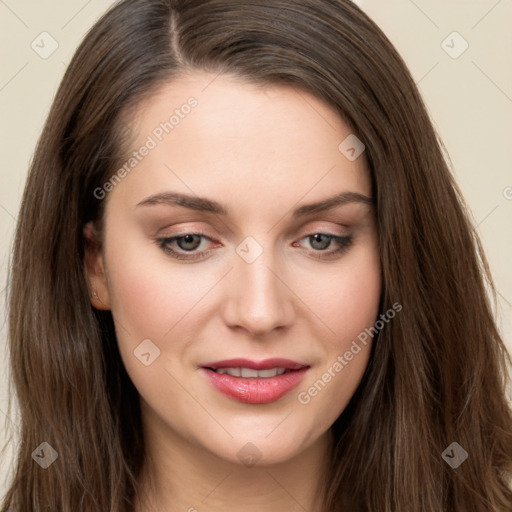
(322, 243)
(184, 246)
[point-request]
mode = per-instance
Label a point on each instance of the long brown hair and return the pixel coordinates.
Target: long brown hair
(437, 372)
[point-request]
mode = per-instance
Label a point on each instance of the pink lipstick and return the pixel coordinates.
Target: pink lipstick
(255, 382)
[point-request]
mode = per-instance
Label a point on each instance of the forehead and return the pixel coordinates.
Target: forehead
(216, 135)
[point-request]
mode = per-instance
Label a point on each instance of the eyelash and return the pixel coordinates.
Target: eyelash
(344, 242)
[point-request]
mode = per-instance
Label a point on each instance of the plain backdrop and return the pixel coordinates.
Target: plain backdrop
(459, 52)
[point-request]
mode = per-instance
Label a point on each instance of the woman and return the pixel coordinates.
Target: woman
(244, 277)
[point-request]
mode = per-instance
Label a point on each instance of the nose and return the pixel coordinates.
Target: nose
(258, 299)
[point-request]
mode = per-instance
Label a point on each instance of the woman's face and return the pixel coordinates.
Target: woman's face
(213, 251)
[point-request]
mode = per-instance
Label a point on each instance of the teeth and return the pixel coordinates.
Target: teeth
(250, 373)
(247, 372)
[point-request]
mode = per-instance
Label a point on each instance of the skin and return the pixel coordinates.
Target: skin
(261, 152)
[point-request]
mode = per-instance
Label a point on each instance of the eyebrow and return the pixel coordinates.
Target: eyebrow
(203, 204)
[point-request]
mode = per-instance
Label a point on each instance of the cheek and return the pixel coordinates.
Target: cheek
(152, 299)
(348, 304)
(347, 299)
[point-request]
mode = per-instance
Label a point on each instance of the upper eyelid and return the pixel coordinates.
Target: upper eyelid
(302, 231)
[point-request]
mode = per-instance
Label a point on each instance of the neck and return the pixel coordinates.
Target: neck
(182, 477)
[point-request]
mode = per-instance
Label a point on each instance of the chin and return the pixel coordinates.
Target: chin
(261, 449)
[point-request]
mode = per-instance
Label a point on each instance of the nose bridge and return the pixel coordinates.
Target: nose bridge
(258, 301)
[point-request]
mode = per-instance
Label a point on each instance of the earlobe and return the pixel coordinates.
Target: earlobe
(95, 269)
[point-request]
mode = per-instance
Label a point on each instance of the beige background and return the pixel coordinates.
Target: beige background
(469, 98)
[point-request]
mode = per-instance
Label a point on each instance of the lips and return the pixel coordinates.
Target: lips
(255, 365)
(255, 382)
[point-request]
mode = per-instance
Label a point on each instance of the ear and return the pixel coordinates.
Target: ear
(95, 269)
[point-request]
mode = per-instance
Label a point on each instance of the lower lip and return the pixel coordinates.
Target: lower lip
(255, 390)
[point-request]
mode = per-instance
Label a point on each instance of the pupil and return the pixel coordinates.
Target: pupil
(188, 242)
(323, 244)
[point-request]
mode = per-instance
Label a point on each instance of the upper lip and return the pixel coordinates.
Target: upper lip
(266, 364)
